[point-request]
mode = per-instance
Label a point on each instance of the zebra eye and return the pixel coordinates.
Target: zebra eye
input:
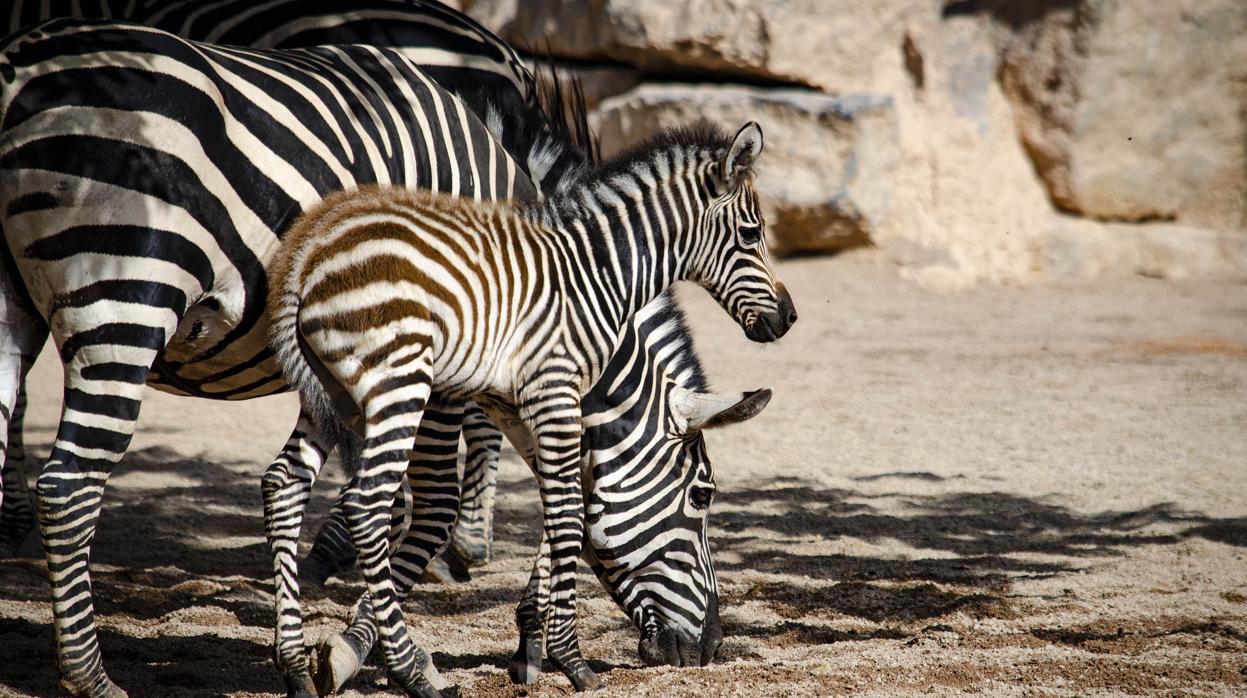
(700, 497)
(750, 234)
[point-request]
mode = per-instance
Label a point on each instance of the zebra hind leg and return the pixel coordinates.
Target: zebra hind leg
(530, 619)
(433, 478)
(286, 487)
(105, 373)
(367, 504)
(24, 334)
(333, 553)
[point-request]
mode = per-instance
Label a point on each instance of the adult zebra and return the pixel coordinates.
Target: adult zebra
(382, 295)
(144, 181)
(60, 175)
(456, 52)
(460, 56)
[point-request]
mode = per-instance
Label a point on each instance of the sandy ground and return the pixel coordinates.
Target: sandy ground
(1032, 491)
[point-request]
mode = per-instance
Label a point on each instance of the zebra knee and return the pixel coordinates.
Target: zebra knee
(64, 489)
(278, 477)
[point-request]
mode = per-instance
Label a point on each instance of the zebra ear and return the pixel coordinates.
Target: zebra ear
(697, 410)
(744, 151)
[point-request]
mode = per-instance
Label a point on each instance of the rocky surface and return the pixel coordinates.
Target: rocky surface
(1001, 141)
(826, 175)
(1134, 110)
(834, 46)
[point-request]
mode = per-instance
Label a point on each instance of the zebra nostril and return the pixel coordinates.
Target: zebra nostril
(791, 317)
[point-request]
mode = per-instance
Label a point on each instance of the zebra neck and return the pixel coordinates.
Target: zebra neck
(626, 247)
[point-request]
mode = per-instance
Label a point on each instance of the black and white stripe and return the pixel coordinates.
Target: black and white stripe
(12, 517)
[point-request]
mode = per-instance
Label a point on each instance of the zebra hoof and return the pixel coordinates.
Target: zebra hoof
(299, 685)
(526, 663)
(431, 674)
(468, 554)
(439, 571)
(314, 572)
(8, 549)
(100, 688)
(419, 688)
(584, 679)
(335, 664)
(11, 540)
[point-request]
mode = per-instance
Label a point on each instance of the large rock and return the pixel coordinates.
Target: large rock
(968, 207)
(1133, 110)
(837, 46)
(825, 175)
(1078, 248)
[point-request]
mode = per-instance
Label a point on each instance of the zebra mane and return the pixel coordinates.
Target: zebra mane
(700, 137)
(684, 359)
(546, 131)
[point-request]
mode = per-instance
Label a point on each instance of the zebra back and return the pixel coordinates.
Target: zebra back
(238, 140)
(451, 48)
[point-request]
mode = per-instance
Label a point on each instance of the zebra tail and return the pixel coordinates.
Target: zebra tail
(305, 373)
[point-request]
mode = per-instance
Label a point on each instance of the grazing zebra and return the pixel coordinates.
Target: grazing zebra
(382, 294)
(144, 183)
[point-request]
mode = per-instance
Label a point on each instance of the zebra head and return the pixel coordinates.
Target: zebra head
(734, 264)
(650, 486)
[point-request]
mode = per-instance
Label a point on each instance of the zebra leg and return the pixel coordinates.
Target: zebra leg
(332, 552)
(286, 487)
(389, 437)
(22, 335)
(530, 618)
(552, 413)
(434, 482)
(106, 368)
(472, 540)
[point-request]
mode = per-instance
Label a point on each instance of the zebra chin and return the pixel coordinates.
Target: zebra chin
(671, 646)
(770, 326)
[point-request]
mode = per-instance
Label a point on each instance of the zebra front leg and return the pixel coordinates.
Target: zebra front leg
(22, 334)
(472, 540)
(433, 479)
(530, 619)
(286, 487)
(552, 413)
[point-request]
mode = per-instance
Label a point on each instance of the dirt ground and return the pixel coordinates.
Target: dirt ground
(1035, 491)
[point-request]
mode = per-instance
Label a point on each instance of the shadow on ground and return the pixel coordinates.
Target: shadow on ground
(197, 544)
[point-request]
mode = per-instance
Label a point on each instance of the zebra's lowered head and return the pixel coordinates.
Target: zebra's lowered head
(650, 485)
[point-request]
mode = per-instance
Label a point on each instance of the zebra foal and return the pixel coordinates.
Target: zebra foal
(382, 295)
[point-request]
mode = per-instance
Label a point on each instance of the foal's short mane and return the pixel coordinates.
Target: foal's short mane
(699, 137)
